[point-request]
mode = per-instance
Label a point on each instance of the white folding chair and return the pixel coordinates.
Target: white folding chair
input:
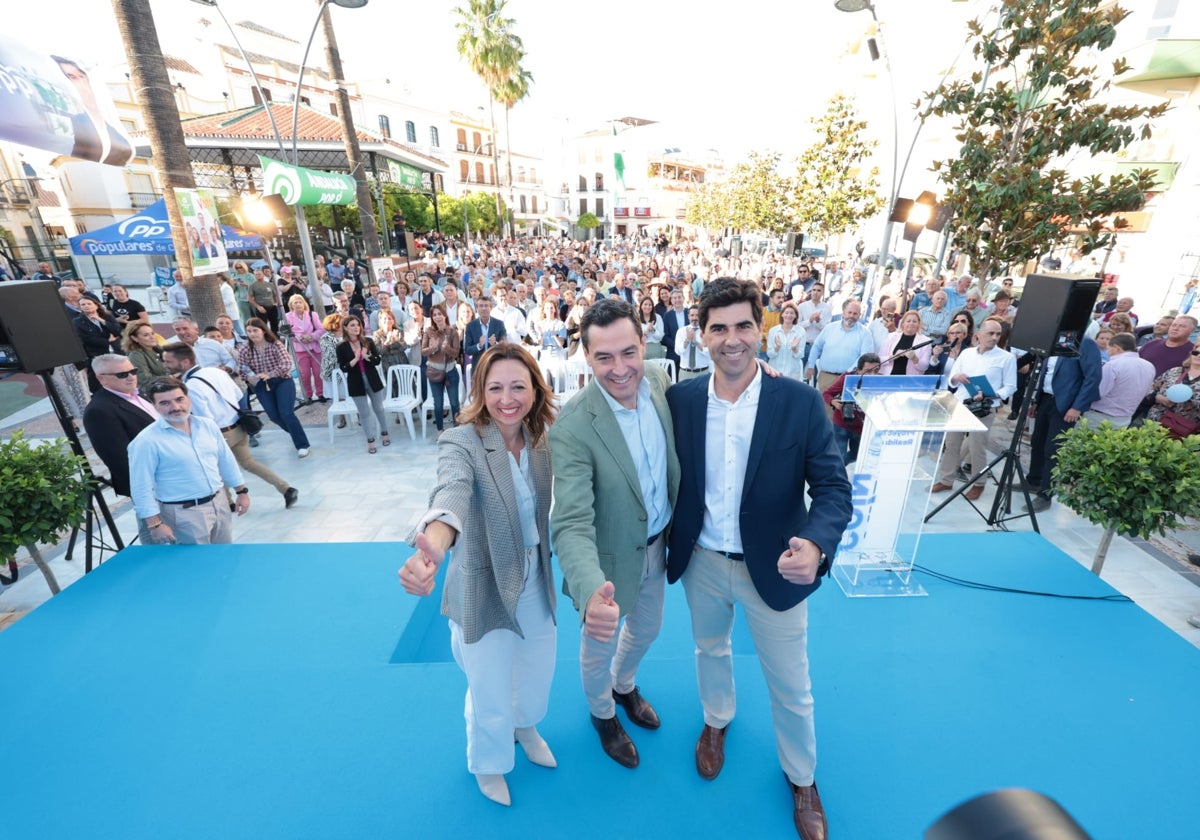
(342, 405)
(404, 394)
(666, 364)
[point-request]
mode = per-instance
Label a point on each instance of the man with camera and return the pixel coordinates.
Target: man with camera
(847, 416)
(1000, 368)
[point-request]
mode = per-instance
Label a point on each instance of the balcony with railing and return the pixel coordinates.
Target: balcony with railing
(139, 200)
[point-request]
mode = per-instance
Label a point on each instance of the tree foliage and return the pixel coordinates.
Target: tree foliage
(833, 190)
(827, 193)
(588, 221)
(1022, 120)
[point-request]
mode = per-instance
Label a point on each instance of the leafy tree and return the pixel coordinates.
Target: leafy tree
(589, 222)
(754, 198)
(1022, 120)
(833, 190)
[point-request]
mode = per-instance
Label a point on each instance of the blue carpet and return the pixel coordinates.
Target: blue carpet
(297, 692)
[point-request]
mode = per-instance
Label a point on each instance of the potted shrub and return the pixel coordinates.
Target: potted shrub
(1134, 482)
(43, 490)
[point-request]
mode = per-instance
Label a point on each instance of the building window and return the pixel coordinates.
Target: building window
(524, 209)
(479, 173)
(534, 202)
(476, 143)
(582, 206)
(434, 140)
(333, 109)
(599, 182)
(599, 208)
(385, 127)
(258, 98)
(464, 171)
(410, 131)
(533, 177)
(582, 184)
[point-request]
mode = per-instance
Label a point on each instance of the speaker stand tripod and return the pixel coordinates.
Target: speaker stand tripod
(97, 508)
(1001, 511)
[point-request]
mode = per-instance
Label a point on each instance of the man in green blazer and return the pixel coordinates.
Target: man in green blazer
(616, 476)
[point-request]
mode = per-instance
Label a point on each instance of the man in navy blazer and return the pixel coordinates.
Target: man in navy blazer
(482, 333)
(674, 319)
(743, 534)
(1072, 384)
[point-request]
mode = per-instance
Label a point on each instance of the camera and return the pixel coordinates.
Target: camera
(849, 409)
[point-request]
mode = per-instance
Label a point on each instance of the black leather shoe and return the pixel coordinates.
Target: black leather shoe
(639, 711)
(616, 743)
(807, 812)
(290, 496)
(710, 752)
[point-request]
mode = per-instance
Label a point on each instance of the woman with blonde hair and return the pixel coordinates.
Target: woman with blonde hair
(143, 347)
(306, 341)
(491, 505)
(330, 339)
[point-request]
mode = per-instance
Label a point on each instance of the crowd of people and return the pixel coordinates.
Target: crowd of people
(737, 336)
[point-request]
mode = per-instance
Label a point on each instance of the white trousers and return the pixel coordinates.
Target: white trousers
(209, 523)
(605, 666)
(713, 584)
(508, 678)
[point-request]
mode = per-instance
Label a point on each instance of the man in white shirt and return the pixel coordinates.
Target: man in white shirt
(209, 352)
(216, 396)
(689, 346)
(1000, 368)
(178, 466)
(514, 319)
(815, 314)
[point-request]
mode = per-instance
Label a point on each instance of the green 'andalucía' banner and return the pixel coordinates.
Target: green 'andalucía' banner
(297, 185)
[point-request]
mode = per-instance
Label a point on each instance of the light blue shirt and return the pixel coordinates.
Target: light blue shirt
(838, 349)
(526, 501)
(167, 465)
(647, 442)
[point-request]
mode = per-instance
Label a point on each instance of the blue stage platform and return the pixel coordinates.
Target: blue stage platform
(295, 691)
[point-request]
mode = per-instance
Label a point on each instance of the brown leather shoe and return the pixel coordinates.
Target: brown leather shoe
(615, 742)
(639, 711)
(808, 813)
(710, 752)
(974, 493)
(939, 488)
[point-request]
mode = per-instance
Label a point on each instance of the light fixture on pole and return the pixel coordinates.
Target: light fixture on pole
(921, 214)
(314, 286)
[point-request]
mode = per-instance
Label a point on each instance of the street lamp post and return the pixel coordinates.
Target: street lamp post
(314, 285)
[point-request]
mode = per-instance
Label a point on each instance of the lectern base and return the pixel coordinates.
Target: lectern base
(877, 580)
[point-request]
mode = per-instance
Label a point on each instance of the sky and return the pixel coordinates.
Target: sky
(732, 78)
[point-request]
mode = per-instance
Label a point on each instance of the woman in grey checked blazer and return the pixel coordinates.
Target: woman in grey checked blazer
(499, 588)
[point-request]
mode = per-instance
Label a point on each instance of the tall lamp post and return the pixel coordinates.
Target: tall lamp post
(314, 285)
(897, 177)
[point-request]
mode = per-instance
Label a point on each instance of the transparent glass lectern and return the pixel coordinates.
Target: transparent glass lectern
(906, 422)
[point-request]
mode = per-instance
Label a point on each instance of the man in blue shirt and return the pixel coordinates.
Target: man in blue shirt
(839, 346)
(178, 466)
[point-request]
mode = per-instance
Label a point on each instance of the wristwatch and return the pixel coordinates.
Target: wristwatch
(243, 492)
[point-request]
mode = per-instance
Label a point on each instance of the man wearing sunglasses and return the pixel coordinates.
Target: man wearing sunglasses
(113, 418)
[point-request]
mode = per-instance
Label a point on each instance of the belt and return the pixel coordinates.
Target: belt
(191, 503)
(694, 370)
(229, 428)
(654, 539)
(731, 555)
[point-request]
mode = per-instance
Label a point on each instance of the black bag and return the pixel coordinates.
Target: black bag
(248, 421)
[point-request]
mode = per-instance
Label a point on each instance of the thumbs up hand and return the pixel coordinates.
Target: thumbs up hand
(419, 573)
(799, 563)
(601, 613)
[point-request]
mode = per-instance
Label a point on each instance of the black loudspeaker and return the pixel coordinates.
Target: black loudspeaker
(35, 332)
(795, 244)
(1054, 314)
(735, 247)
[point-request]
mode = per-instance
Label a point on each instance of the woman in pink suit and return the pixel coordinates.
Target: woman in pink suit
(306, 341)
(904, 339)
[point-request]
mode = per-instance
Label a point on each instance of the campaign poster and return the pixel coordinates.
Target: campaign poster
(198, 211)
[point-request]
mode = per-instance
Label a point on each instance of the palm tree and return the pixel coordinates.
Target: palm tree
(508, 93)
(492, 51)
(366, 207)
(156, 95)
